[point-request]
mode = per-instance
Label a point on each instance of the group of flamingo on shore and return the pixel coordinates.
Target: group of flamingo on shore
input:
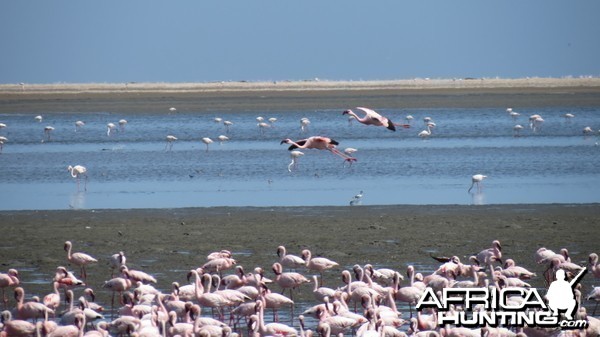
(364, 304)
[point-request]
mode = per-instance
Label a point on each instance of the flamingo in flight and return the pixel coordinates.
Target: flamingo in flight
(373, 118)
(319, 143)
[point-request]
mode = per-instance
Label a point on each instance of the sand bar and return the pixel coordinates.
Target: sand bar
(314, 94)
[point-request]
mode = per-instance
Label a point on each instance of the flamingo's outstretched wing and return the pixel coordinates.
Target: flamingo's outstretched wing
(377, 117)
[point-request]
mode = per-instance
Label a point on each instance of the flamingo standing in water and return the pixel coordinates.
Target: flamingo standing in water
(47, 130)
(304, 123)
(317, 263)
(79, 259)
(2, 141)
(170, 140)
(10, 279)
(319, 143)
(294, 155)
(76, 172)
(476, 179)
(109, 128)
(373, 118)
(207, 141)
(79, 125)
(426, 133)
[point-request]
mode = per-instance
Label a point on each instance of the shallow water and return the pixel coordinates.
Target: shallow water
(132, 168)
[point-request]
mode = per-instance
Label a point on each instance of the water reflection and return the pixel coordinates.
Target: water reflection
(477, 198)
(77, 200)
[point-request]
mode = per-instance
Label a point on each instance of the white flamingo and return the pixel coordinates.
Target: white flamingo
(207, 141)
(77, 172)
(170, 140)
(476, 180)
(294, 163)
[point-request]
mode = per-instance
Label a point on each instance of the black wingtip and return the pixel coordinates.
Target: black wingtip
(391, 126)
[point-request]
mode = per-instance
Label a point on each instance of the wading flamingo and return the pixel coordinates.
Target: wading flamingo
(373, 118)
(317, 263)
(289, 260)
(476, 180)
(207, 141)
(294, 163)
(10, 279)
(78, 259)
(109, 128)
(319, 143)
(79, 125)
(170, 140)
(77, 172)
(47, 131)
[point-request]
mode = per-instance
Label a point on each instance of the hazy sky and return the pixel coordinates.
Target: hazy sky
(200, 41)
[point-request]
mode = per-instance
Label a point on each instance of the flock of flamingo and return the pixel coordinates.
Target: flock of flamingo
(222, 299)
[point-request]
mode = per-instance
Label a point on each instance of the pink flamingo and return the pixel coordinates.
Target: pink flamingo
(52, 300)
(31, 309)
(79, 259)
(319, 264)
(373, 118)
(319, 143)
(289, 260)
(210, 300)
(288, 280)
(137, 275)
(10, 279)
(593, 264)
(16, 327)
(272, 329)
(512, 270)
(218, 265)
(409, 294)
(117, 284)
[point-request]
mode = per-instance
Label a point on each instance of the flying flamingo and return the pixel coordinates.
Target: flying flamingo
(294, 163)
(373, 118)
(319, 143)
(476, 179)
(76, 172)
(78, 259)
(170, 140)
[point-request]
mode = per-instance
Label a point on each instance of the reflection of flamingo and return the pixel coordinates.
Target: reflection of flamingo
(319, 143)
(373, 118)
(170, 140)
(76, 172)
(476, 179)
(294, 155)
(79, 259)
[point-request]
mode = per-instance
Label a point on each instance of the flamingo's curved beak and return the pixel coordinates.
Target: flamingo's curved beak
(345, 112)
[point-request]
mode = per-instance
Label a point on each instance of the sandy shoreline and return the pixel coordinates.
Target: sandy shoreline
(226, 96)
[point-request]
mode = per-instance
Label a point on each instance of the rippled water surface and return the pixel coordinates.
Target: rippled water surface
(132, 168)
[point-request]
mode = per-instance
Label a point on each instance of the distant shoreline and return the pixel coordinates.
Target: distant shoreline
(130, 98)
(418, 83)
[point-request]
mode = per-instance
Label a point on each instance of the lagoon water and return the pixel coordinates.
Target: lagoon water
(132, 168)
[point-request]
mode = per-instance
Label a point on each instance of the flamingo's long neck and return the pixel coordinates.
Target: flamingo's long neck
(69, 248)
